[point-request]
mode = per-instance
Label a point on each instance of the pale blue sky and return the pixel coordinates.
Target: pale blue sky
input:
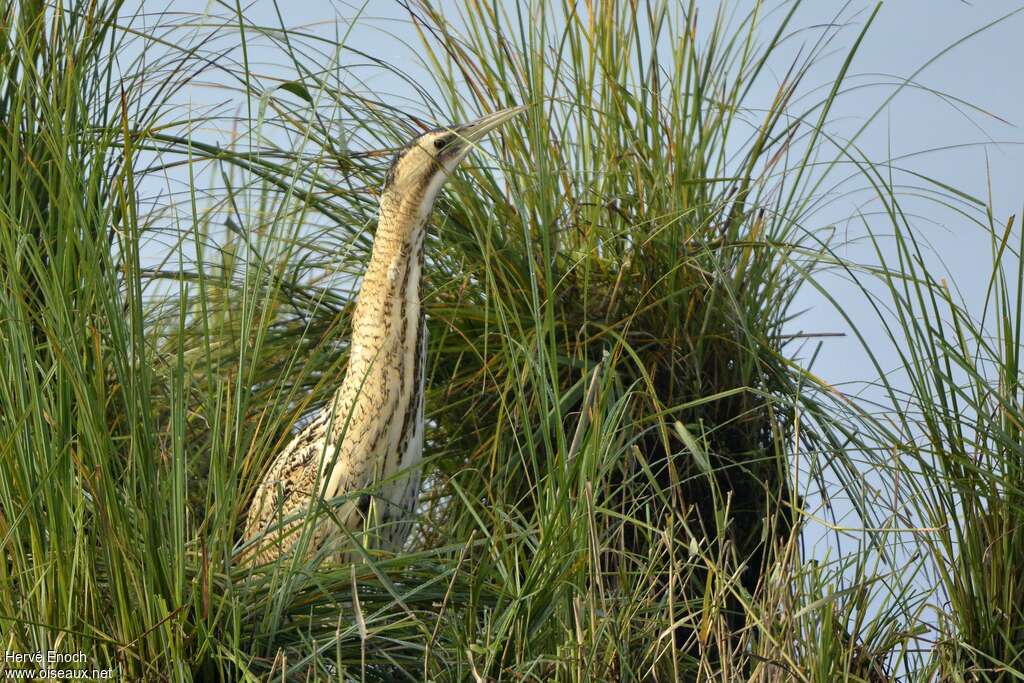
(984, 71)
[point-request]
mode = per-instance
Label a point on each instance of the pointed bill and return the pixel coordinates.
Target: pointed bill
(475, 130)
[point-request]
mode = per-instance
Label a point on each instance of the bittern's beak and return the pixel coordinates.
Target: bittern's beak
(469, 134)
(474, 131)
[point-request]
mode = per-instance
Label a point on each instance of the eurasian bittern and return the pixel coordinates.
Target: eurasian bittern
(373, 427)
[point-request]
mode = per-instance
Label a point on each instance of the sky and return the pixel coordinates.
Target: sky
(977, 151)
(960, 55)
(965, 149)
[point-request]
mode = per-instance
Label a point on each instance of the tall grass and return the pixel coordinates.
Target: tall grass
(624, 440)
(961, 427)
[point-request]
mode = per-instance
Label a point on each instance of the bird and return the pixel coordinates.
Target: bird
(371, 431)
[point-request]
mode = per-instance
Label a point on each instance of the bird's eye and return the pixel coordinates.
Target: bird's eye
(440, 143)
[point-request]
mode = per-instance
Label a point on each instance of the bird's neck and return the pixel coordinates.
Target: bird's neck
(388, 307)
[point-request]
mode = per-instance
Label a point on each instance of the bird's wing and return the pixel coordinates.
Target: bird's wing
(291, 481)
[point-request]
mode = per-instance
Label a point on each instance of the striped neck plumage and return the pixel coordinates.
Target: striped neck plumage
(396, 262)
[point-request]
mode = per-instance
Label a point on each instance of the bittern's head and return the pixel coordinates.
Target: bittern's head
(421, 167)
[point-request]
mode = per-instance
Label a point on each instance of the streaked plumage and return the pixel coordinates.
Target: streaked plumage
(373, 427)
